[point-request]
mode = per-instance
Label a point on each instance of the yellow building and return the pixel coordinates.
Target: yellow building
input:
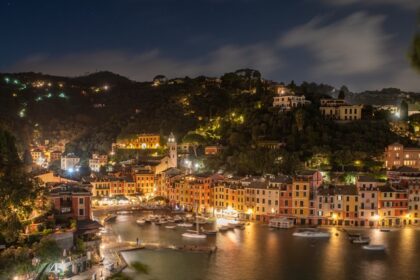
(300, 199)
(145, 182)
(139, 141)
(338, 109)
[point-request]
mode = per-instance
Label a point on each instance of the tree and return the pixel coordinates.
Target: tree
(300, 119)
(17, 191)
(47, 250)
(195, 140)
(343, 92)
(414, 51)
(404, 110)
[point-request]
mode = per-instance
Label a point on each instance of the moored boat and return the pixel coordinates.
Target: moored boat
(378, 247)
(361, 240)
(224, 228)
(209, 232)
(140, 221)
(185, 225)
(194, 234)
(170, 226)
(312, 233)
(282, 223)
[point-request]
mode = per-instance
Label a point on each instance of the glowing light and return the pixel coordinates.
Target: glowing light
(22, 113)
(62, 95)
(334, 216)
(105, 87)
(71, 170)
(15, 82)
(375, 217)
(39, 98)
(249, 211)
(49, 95)
(7, 79)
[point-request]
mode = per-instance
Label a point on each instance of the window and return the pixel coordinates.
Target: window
(81, 212)
(81, 200)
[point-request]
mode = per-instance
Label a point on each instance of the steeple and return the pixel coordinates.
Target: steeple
(173, 154)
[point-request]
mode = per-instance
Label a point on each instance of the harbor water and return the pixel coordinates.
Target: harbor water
(258, 252)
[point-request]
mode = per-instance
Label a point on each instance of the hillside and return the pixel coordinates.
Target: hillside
(235, 111)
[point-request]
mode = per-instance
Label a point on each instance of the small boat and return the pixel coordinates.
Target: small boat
(160, 222)
(224, 228)
(170, 226)
(385, 230)
(361, 240)
(141, 222)
(177, 219)
(185, 225)
(209, 232)
(230, 226)
(193, 234)
(374, 247)
(282, 223)
(353, 236)
(312, 233)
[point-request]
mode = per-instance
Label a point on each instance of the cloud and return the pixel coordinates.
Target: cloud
(145, 65)
(405, 4)
(352, 46)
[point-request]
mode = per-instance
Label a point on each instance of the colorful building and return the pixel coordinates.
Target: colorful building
(71, 201)
(396, 155)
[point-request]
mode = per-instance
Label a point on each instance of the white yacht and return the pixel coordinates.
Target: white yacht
(374, 247)
(141, 221)
(193, 234)
(311, 232)
(185, 225)
(361, 240)
(283, 223)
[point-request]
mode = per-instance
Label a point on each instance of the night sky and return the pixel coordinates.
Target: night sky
(331, 41)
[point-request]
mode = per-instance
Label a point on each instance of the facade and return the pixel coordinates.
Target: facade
(289, 101)
(338, 109)
(139, 141)
(396, 155)
(97, 161)
(71, 201)
(193, 192)
(212, 150)
(145, 182)
(69, 162)
(37, 154)
(55, 155)
(393, 205)
(414, 202)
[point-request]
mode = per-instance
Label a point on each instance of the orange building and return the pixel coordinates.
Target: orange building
(393, 205)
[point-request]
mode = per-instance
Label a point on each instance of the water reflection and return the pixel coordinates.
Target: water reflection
(260, 253)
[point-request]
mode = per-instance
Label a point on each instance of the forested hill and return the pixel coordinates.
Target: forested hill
(234, 110)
